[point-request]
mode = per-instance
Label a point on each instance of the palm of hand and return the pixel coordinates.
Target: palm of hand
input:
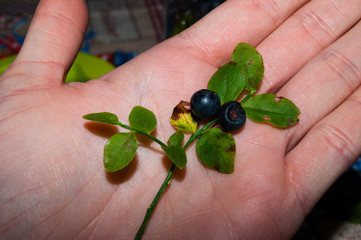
(64, 169)
(53, 183)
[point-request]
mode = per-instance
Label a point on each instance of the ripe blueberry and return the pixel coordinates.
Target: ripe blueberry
(205, 104)
(231, 116)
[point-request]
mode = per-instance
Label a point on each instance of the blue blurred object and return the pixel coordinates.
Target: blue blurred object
(121, 57)
(357, 166)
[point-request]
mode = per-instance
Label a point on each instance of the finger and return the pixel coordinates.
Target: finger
(214, 37)
(300, 38)
(175, 64)
(311, 29)
(326, 152)
(303, 36)
(320, 87)
(326, 82)
(51, 44)
(329, 117)
(306, 30)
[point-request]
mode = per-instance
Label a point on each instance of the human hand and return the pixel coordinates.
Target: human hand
(52, 180)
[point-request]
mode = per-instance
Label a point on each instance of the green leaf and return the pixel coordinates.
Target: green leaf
(248, 56)
(142, 119)
(228, 81)
(278, 111)
(216, 149)
(176, 139)
(119, 151)
(355, 214)
(182, 118)
(103, 117)
(176, 154)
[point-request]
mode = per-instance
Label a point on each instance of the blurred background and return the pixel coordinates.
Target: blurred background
(118, 29)
(121, 29)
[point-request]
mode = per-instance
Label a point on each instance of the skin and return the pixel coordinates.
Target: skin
(52, 181)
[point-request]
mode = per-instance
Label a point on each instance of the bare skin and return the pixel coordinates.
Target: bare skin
(52, 181)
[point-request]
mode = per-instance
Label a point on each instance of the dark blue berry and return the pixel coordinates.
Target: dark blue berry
(205, 104)
(231, 116)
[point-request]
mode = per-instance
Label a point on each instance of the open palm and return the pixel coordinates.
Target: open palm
(52, 180)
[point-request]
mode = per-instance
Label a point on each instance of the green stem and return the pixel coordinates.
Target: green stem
(194, 136)
(167, 180)
(143, 133)
(248, 96)
(152, 206)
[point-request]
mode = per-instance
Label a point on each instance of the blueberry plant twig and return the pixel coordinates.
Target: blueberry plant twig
(167, 180)
(215, 146)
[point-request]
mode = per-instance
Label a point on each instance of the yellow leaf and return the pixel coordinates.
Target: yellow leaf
(182, 118)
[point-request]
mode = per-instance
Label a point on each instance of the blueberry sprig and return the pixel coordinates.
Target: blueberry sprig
(216, 105)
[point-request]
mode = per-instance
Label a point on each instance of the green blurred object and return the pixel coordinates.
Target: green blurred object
(85, 67)
(5, 63)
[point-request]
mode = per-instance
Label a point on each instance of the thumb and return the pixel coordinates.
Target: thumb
(51, 44)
